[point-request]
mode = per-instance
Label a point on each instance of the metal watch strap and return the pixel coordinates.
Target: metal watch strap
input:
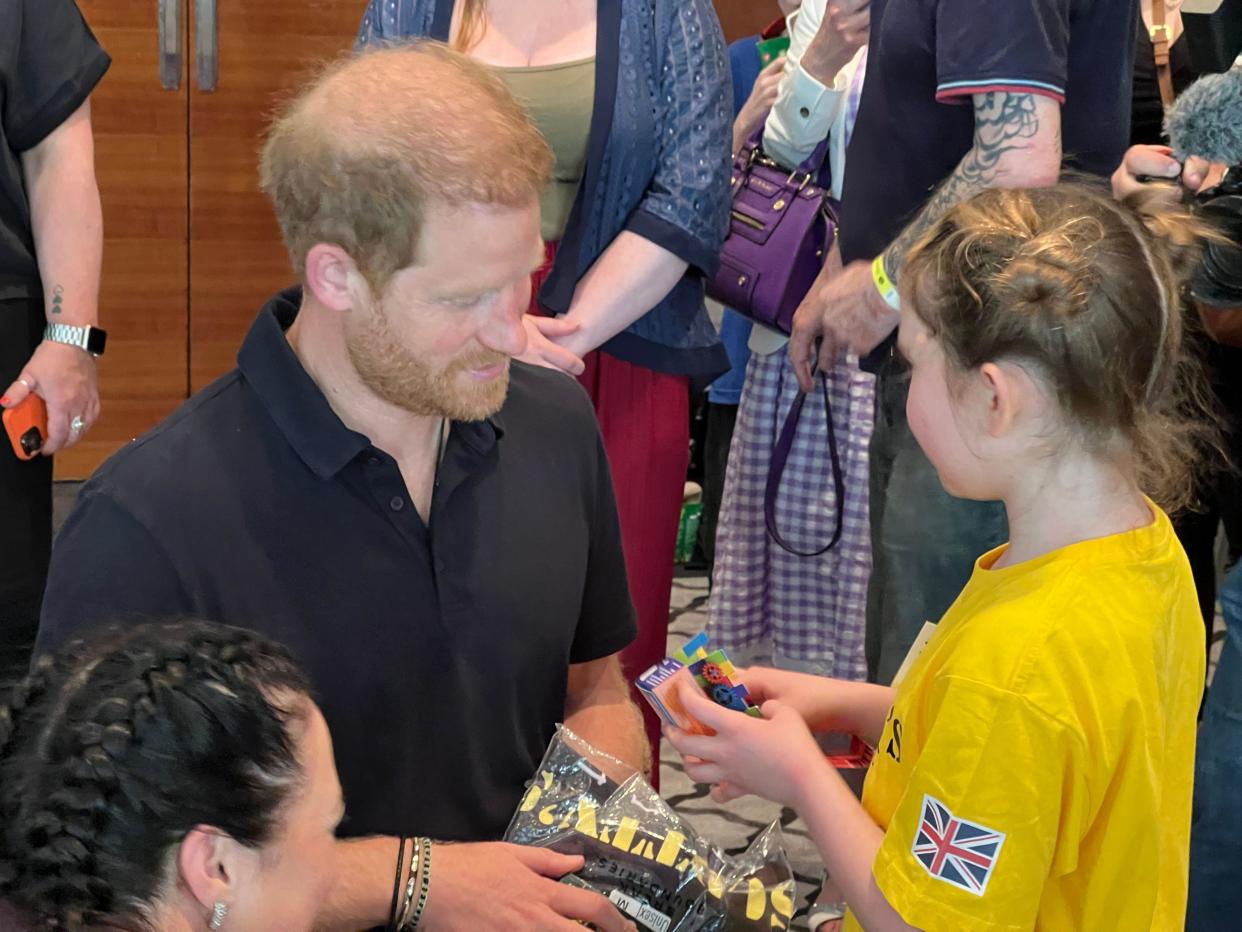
(72, 335)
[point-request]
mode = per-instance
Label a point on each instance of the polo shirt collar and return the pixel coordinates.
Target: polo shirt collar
(298, 406)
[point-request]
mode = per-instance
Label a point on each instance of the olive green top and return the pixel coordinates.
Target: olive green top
(559, 99)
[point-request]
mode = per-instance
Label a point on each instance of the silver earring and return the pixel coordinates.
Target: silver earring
(218, 912)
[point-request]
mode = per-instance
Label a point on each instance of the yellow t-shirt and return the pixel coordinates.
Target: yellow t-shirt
(1036, 768)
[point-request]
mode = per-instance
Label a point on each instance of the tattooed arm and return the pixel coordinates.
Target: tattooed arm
(1017, 145)
(68, 232)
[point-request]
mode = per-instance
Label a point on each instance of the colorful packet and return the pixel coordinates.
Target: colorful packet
(714, 673)
(659, 686)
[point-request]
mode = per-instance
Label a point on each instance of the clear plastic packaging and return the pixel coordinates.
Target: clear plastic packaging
(640, 853)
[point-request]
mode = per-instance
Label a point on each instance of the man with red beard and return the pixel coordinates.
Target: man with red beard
(428, 525)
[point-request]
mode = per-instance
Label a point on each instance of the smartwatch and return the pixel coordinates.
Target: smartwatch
(91, 339)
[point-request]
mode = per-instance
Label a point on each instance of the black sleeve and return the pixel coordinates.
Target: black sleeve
(58, 64)
(106, 567)
(1019, 46)
(607, 622)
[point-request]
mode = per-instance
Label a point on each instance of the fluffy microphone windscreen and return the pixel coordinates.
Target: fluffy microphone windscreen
(1206, 120)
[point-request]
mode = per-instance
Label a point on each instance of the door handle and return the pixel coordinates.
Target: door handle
(170, 44)
(208, 45)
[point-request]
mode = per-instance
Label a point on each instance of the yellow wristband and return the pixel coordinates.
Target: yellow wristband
(884, 284)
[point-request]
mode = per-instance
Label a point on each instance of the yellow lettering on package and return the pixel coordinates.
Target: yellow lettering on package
(586, 817)
(531, 799)
(644, 849)
(545, 814)
(756, 899)
(625, 833)
(782, 902)
(671, 848)
(535, 793)
(715, 884)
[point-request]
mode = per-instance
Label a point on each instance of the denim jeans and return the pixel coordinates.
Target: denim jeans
(1216, 830)
(924, 542)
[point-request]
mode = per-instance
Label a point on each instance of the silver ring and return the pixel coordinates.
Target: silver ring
(77, 424)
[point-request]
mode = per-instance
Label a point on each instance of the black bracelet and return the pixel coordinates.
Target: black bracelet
(396, 885)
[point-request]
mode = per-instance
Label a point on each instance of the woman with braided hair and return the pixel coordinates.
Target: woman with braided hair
(166, 778)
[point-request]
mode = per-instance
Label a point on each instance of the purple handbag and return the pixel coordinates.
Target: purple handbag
(782, 225)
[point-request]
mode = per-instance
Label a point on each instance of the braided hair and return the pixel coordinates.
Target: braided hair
(115, 748)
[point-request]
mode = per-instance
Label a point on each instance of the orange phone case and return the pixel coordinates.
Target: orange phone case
(26, 425)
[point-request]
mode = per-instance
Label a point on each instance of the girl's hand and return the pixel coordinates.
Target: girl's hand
(817, 699)
(774, 757)
(825, 704)
(762, 97)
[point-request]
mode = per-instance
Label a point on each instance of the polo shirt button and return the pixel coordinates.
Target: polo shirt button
(397, 503)
(373, 460)
(804, 112)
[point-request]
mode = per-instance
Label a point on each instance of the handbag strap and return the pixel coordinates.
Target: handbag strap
(812, 165)
(780, 459)
(1160, 34)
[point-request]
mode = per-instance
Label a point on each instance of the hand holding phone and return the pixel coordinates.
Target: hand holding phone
(26, 425)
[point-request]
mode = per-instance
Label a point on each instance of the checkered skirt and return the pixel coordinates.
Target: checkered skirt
(767, 604)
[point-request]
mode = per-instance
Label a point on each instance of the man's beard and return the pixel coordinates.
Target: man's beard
(400, 377)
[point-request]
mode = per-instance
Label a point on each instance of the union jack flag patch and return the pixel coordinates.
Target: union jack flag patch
(956, 851)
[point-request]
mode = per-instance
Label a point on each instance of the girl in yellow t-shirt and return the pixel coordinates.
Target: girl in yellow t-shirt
(1033, 766)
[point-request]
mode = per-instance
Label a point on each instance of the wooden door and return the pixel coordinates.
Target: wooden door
(237, 259)
(741, 18)
(140, 160)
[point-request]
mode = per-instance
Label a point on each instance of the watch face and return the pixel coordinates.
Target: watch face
(96, 340)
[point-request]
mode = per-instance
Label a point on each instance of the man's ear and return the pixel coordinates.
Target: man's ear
(333, 277)
(1003, 394)
(212, 866)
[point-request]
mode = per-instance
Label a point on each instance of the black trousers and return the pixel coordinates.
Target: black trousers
(720, 422)
(25, 506)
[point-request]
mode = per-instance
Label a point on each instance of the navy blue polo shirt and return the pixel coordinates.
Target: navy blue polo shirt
(439, 654)
(926, 59)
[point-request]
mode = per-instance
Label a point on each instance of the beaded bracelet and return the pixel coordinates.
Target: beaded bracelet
(409, 887)
(424, 888)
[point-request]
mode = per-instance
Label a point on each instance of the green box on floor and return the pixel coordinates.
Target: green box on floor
(688, 531)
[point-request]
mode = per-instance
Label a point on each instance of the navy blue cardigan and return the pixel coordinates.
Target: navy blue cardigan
(657, 164)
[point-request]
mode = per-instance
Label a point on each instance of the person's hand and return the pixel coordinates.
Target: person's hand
(774, 757)
(1152, 161)
(65, 378)
(542, 348)
(501, 886)
(817, 699)
(1199, 174)
(1158, 162)
(843, 31)
(843, 308)
(762, 97)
